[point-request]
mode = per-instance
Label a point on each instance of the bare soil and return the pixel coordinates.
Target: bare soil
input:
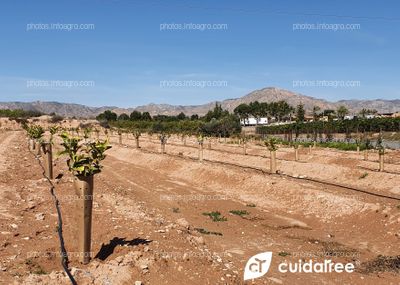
(149, 223)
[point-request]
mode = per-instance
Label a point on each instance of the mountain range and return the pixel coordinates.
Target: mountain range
(269, 94)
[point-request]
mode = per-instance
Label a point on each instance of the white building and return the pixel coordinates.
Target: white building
(253, 121)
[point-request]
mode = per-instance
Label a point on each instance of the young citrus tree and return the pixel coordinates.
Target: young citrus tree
(209, 138)
(296, 150)
(53, 130)
(87, 133)
(163, 140)
(84, 161)
(183, 137)
(367, 146)
(119, 131)
(244, 139)
(358, 143)
(137, 133)
(200, 141)
(272, 146)
(35, 132)
(97, 131)
(381, 151)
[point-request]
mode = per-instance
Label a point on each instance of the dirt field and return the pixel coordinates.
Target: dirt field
(149, 223)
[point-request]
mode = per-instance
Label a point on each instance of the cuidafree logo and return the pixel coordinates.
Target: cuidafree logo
(259, 264)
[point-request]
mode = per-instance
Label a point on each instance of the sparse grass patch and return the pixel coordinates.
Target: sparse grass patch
(215, 216)
(39, 271)
(365, 174)
(239, 212)
(252, 205)
(34, 267)
(283, 253)
(398, 207)
(381, 263)
(206, 232)
(175, 210)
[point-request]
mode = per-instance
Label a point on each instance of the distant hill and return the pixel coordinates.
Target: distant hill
(269, 94)
(63, 109)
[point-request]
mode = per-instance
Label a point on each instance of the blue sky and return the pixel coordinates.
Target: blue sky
(126, 55)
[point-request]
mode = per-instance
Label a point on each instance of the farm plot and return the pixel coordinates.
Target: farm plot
(167, 219)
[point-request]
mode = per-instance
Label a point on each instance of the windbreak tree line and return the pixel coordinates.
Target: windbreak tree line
(217, 122)
(14, 114)
(314, 129)
(280, 110)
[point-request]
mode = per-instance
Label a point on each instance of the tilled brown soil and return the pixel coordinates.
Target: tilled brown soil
(149, 223)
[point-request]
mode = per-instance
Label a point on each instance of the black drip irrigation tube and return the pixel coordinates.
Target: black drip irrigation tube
(377, 170)
(278, 174)
(64, 257)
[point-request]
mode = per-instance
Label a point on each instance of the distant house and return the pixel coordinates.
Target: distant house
(308, 118)
(253, 122)
(386, 115)
(390, 115)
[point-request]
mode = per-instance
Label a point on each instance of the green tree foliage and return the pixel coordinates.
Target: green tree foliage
(146, 116)
(136, 116)
(217, 113)
(355, 125)
(242, 111)
(84, 158)
(123, 117)
(227, 126)
(341, 112)
(271, 143)
(329, 113)
(280, 110)
(365, 112)
(181, 116)
(107, 116)
(300, 113)
(35, 132)
(18, 113)
(315, 113)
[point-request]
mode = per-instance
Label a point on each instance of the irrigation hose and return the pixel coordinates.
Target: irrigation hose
(64, 257)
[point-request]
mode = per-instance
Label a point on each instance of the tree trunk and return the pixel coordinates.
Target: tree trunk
(38, 148)
(84, 203)
(48, 151)
(273, 162)
(137, 143)
(310, 149)
(244, 148)
(296, 154)
(120, 139)
(162, 148)
(200, 152)
(381, 161)
(358, 149)
(31, 145)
